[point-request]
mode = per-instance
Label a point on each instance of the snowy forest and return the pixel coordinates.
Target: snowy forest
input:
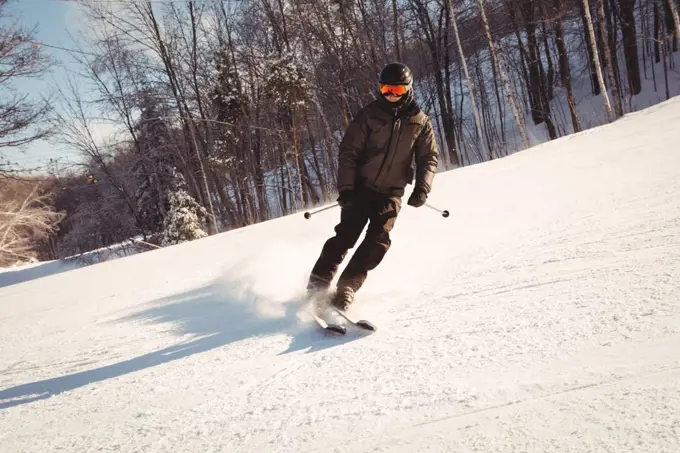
(229, 113)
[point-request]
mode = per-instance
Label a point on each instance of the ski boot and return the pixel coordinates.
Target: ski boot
(343, 298)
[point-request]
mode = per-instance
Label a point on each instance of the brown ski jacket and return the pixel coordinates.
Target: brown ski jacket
(380, 147)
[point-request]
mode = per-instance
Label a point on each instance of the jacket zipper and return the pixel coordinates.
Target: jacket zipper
(389, 146)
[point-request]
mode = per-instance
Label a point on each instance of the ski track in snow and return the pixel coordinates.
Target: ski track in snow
(541, 316)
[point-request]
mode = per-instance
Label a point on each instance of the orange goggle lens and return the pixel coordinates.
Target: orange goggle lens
(397, 90)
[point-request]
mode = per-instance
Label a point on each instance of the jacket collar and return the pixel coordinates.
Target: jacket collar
(404, 107)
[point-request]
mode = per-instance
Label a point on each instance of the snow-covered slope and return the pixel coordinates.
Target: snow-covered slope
(542, 315)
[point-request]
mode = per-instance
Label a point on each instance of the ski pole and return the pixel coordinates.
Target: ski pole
(309, 214)
(444, 213)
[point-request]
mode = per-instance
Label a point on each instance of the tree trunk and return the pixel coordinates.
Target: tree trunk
(315, 157)
(307, 191)
(657, 31)
(565, 71)
(147, 11)
(226, 201)
(285, 189)
(593, 59)
(596, 58)
(463, 61)
(523, 66)
(395, 30)
(204, 177)
(670, 24)
(547, 87)
(453, 151)
(550, 88)
(504, 77)
(611, 69)
(486, 114)
(676, 17)
(665, 52)
(260, 182)
(645, 42)
(627, 17)
(372, 39)
(435, 48)
(535, 88)
(654, 55)
(611, 15)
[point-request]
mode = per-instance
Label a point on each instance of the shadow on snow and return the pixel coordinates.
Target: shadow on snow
(218, 314)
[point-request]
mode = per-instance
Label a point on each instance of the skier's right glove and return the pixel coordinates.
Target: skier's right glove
(346, 199)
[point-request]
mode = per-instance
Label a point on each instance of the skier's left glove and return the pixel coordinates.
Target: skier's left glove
(418, 197)
(346, 199)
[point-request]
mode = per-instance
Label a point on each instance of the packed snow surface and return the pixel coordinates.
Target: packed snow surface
(541, 316)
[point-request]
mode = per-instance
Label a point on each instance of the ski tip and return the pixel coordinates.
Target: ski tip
(339, 330)
(329, 328)
(366, 325)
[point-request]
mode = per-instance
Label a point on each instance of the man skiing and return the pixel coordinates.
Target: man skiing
(374, 166)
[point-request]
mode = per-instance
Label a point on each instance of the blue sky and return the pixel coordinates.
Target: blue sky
(53, 19)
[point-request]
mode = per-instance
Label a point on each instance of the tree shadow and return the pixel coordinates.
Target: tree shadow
(218, 314)
(11, 277)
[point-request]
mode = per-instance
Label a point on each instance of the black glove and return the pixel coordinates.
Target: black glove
(417, 198)
(346, 199)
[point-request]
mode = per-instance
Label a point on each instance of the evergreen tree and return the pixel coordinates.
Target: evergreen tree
(185, 218)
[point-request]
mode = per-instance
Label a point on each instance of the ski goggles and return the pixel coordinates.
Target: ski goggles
(395, 90)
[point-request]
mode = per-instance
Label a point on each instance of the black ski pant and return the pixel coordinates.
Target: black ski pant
(380, 212)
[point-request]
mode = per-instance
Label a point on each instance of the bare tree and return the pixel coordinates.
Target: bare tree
(565, 70)
(76, 130)
(21, 118)
(434, 34)
(463, 61)
(519, 118)
(630, 46)
(250, 99)
(596, 59)
(395, 30)
(24, 223)
(609, 60)
(676, 17)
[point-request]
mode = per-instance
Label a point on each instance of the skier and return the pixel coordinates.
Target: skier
(374, 166)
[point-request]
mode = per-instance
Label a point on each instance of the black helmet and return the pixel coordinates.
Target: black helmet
(396, 74)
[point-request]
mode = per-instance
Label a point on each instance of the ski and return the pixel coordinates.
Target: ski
(362, 323)
(328, 327)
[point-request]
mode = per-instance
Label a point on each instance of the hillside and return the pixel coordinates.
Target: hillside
(540, 316)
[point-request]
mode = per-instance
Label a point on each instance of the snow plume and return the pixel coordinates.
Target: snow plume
(255, 296)
(272, 280)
